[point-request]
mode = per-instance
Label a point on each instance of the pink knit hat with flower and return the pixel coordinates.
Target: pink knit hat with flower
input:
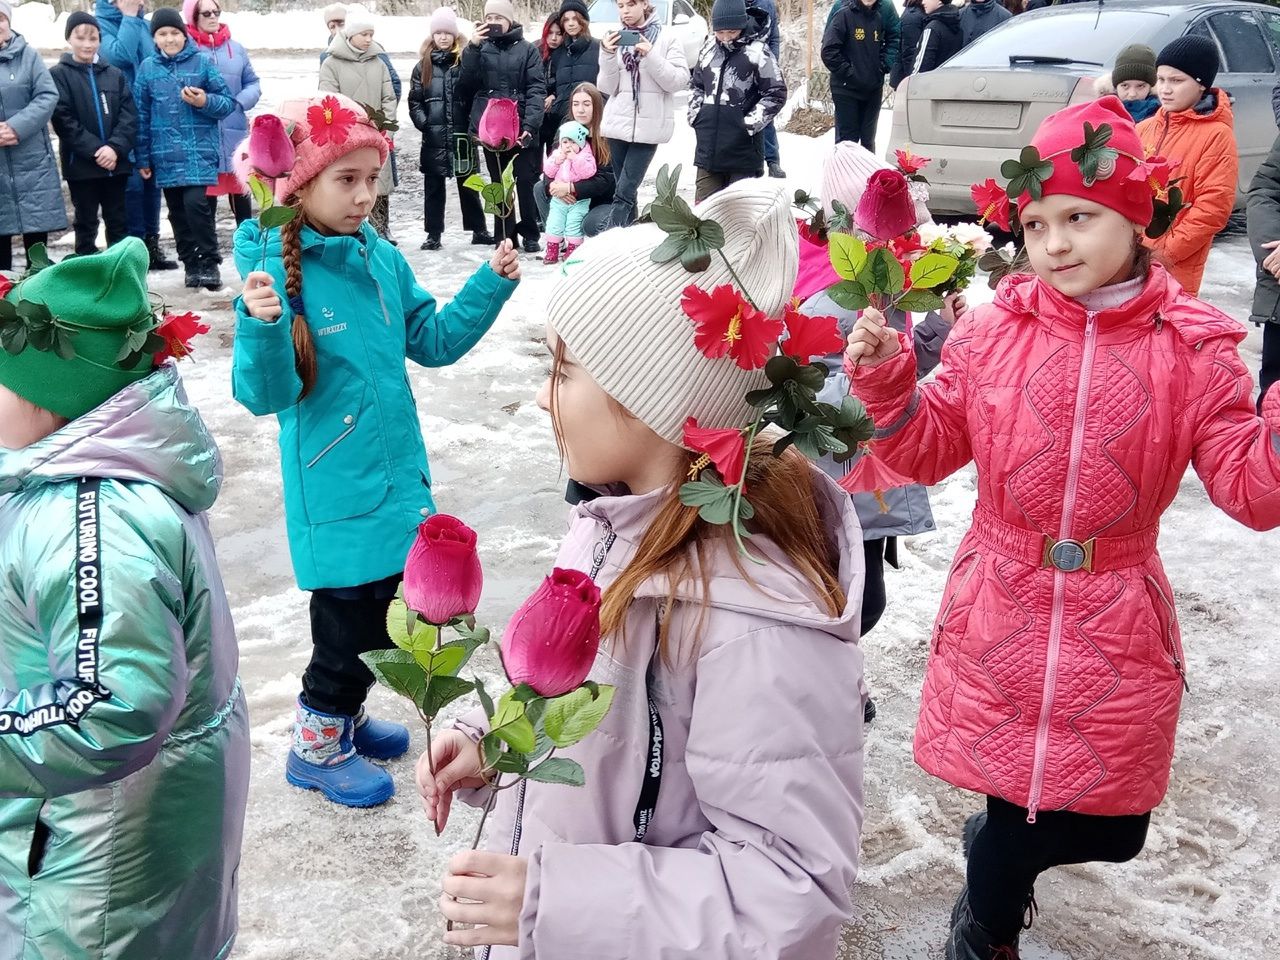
(292, 146)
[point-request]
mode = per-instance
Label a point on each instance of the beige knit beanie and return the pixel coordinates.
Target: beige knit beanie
(619, 313)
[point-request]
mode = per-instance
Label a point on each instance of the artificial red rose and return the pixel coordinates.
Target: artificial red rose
(271, 152)
(886, 210)
(993, 204)
(726, 448)
(551, 642)
(809, 337)
(442, 574)
(727, 325)
(909, 164)
(330, 122)
(177, 331)
(5, 286)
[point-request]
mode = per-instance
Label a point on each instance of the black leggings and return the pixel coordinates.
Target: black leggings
(1008, 855)
(345, 623)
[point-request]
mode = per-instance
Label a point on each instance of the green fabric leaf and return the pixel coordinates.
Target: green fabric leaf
(262, 194)
(670, 248)
(513, 726)
(486, 701)
(398, 670)
(274, 217)
(571, 717)
(712, 234)
(919, 300)
(849, 294)
(1027, 174)
(441, 691)
(558, 770)
(712, 498)
(696, 257)
(931, 270)
(475, 182)
(848, 255)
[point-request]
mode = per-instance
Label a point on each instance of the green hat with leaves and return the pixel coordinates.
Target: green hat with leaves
(77, 332)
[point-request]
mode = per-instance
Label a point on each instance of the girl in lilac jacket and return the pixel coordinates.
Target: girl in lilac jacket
(723, 800)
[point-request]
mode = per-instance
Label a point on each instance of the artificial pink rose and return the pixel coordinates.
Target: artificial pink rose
(442, 575)
(886, 210)
(552, 640)
(271, 152)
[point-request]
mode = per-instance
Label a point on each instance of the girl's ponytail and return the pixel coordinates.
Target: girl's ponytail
(304, 347)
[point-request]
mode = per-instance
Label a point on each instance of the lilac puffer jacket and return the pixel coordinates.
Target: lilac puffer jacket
(753, 845)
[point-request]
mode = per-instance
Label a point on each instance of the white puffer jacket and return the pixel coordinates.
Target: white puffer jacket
(642, 109)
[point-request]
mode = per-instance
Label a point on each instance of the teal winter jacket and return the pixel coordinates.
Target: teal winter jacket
(124, 738)
(356, 478)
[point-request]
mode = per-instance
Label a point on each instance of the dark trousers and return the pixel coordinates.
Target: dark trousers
(528, 166)
(1008, 855)
(433, 196)
(194, 231)
(771, 154)
(1269, 372)
(241, 206)
(856, 120)
(142, 203)
(874, 598)
(710, 182)
(630, 164)
(87, 198)
(344, 624)
(29, 240)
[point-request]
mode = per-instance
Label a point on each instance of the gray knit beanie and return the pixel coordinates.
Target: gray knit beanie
(619, 313)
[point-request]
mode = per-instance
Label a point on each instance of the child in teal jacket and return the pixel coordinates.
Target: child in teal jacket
(328, 315)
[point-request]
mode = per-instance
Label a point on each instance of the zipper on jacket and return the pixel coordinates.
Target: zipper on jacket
(364, 254)
(1167, 641)
(333, 443)
(955, 594)
(98, 100)
(1060, 576)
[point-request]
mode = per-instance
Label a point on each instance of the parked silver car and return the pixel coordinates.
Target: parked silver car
(985, 103)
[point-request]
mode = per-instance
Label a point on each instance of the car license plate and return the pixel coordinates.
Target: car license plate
(977, 113)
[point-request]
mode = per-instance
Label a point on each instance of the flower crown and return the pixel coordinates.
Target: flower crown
(26, 323)
(729, 326)
(1096, 160)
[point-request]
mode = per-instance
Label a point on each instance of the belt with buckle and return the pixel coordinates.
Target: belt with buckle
(1095, 555)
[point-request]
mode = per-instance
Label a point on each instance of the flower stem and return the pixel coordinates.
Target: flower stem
(735, 522)
(484, 816)
(737, 279)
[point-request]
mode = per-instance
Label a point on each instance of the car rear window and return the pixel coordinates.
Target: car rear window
(1092, 37)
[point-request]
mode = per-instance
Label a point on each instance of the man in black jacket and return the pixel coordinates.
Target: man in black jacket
(499, 64)
(942, 38)
(979, 17)
(855, 50)
(96, 120)
(1264, 237)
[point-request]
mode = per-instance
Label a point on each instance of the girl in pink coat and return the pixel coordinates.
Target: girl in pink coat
(1082, 393)
(737, 679)
(571, 162)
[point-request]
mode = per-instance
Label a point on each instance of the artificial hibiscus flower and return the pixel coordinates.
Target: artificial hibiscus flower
(1156, 173)
(993, 204)
(907, 244)
(331, 122)
(809, 337)
(727, 325)
(5, 286)
(809, 235)
(908, 163)
(726, 448)
(871, 474)
(177, 331)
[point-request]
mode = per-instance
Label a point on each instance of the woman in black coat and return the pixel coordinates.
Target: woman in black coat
(552, 38)
(576, 61)
(912, 28)
(432, 109)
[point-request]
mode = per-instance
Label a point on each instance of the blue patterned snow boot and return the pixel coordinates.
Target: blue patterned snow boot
(323, 758)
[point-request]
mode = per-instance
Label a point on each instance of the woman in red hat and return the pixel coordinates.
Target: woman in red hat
(1082, 394)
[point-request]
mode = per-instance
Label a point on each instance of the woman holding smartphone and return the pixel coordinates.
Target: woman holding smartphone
(642, 67)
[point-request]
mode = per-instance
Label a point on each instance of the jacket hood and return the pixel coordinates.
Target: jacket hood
(17, 43)
(947, 15)
(1161, 297)
(188, 51)
(148, 432)
(68, 59)
(776, 590)
(108, 11)
(341, 48)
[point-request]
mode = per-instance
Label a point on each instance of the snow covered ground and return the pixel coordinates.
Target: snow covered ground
(320, 881)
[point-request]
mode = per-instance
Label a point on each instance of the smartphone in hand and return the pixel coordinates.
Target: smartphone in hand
(628, 38)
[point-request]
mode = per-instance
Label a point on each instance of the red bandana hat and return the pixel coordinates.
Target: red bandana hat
(1119, 188)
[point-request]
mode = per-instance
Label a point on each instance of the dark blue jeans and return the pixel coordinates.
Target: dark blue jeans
(630, 164)
(142, 204)
(771, 154)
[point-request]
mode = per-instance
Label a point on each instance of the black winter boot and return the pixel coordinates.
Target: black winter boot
(970, 940)
(158, 260)
(482, 238)
(195, 275)
(210, 275)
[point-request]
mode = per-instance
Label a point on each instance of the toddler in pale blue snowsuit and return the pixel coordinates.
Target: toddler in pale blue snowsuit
(571, 162)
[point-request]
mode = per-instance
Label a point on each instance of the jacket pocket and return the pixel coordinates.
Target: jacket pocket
(344, 468)
(1167, 626)
(39, 845)
(953, 617)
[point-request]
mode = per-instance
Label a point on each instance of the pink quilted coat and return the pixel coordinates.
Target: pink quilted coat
(1056, 670)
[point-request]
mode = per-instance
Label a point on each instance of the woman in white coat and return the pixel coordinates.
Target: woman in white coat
(640, 81)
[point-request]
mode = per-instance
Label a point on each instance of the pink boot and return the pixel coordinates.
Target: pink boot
(553, 251)
(571, 246)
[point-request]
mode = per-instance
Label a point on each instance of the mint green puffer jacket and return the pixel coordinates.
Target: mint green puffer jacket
(124, 737)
